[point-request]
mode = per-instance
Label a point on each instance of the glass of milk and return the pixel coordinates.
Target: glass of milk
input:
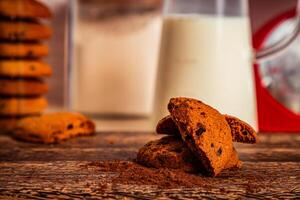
(116, 56)
(206, 54)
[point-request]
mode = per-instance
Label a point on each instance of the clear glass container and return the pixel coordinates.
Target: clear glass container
(116, 47)
(206, 54)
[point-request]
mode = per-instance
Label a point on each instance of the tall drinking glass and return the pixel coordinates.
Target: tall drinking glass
(206, 54)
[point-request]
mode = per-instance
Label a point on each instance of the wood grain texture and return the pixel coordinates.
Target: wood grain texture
(31, 171)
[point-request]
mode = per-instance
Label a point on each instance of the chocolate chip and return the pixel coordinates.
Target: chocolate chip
(163, 141)
(17, 35)
(170, 106)
(212, 145)
(32, 67)
(34, 136)
(57, 133)
(30, 54)
(177, 150)
(188, 137)
(188, 159)
(82, 125)
(2, 106)
(182, 126)
(219, 152)
(203, 114)
(245, 132)
(201, 129)
(70, 126)
(161, 160)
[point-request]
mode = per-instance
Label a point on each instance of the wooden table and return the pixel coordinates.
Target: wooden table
(271, 169)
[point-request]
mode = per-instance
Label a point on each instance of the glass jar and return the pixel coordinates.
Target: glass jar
(115, 59)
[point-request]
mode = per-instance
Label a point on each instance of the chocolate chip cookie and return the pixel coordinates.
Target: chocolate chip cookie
(171, 152)
(22, 106)
(53, 128)
(24, 68)
(240, 130)
(24, 31)
(205, 131)
(23, 50)
(24, 9)
(22, 87)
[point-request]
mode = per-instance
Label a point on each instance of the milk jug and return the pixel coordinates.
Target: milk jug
(206, 54)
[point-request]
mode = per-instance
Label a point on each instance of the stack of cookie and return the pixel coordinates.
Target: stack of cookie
(200, 139)
(21, 69)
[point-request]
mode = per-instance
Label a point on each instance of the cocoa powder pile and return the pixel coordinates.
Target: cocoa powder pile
(131, 173)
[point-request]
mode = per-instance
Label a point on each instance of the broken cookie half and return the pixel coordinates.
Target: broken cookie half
(240, 130)
(172, 153)
(205, 131)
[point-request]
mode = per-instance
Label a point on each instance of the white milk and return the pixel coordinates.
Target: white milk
(116, 65)
(208, 58)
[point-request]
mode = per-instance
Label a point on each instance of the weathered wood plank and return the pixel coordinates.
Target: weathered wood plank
(34, 171)
(74, 179)
(129, 153)
(123, 146)
(125, 139)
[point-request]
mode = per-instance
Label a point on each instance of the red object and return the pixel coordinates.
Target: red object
(272, 116)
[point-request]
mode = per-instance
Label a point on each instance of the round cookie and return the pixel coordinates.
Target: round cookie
(24, 9)
(205, 131)
(24, 69)
(53, 128)
(22, 31)
(23, 50)
(171, 152)
(22, 106)
(22, 87)
(7, 124)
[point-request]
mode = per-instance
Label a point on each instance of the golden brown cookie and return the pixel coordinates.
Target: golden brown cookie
(22, 31)
(7, 124)
(234, 161)
(53, 128)
(167, 126)
(23, 50)
(24, 9)
(205, 131)
(24, 68)
(22, 87)
(240, 130)
(22, 106)
(171, 152)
